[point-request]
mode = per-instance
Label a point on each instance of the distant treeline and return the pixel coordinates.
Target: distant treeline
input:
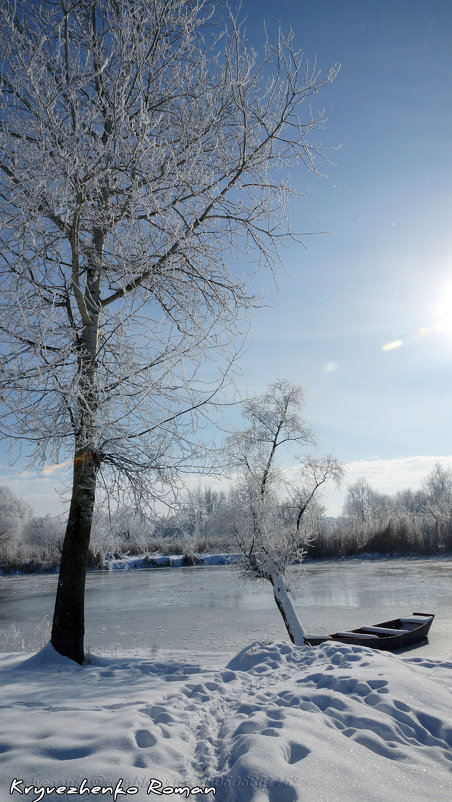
(409, 522)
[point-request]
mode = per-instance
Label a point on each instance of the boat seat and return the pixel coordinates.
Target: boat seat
(358, 635)
(416, 619)
(316, 638)
(385, 630)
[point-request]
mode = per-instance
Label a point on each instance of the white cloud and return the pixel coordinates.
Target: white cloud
(391, 475)
(40, 492)
(385, 475)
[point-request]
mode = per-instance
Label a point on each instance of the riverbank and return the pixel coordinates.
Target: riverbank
(128, 562)
(125, 562)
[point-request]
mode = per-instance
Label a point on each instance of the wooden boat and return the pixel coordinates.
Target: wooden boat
(388, 635)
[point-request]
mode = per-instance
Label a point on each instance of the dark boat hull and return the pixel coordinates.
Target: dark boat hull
(405, 633)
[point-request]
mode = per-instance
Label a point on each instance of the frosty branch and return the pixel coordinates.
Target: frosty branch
(138, 148)
(271, 504)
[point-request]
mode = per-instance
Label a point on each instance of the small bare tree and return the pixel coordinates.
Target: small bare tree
(139, 142)
(270, 533)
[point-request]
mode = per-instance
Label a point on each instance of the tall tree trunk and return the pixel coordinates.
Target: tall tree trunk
(68, 627)
(69, 617)
(294, 628)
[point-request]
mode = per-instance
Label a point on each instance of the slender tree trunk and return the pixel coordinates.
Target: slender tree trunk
(69, 617)
(294, 628)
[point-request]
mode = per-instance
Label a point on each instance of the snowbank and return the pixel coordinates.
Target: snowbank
(167, 561)
(275, 723)
(124, 563)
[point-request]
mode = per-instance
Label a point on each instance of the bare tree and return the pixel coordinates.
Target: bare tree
(269, 533)
(14, 515)
(356, 505)
(139, 147)
(437, 488)
(44, 531)
(364, 506)
(311, 474)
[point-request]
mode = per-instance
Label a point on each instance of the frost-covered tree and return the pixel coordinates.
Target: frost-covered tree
(143, 148)
(363, 505)
(356, 505)
(14, 514)
(44, 530)
(409, 502)
(270, 533)
(437, 488)
(201, 512)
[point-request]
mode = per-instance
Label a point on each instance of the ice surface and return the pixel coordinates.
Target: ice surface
(210, 609)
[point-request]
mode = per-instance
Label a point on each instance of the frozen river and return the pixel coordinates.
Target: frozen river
(210, 609)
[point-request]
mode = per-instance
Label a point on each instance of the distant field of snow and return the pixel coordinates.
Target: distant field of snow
(274, 723)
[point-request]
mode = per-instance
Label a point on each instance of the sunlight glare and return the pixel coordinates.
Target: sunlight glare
(444, 311)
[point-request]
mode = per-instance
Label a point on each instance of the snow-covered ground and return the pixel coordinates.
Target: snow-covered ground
(274, 723)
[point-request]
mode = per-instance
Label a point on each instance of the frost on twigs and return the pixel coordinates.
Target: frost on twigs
(273, 521)
(141, 147)
(140, 144)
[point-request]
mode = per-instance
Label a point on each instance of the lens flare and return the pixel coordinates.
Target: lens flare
(49, 469)
(392, 346)
(330, 367)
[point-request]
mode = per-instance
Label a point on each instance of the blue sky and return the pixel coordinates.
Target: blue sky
(383, 275)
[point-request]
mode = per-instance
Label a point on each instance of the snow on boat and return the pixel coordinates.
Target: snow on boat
(388, 635)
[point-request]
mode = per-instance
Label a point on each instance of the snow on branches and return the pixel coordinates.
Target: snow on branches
(270, 503)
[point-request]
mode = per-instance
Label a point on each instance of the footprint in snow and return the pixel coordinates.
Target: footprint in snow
(158, 714)
(282, 793)
(68, 753)
(275, 714)
(228, 676)
(145, 739)
(294, 752)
